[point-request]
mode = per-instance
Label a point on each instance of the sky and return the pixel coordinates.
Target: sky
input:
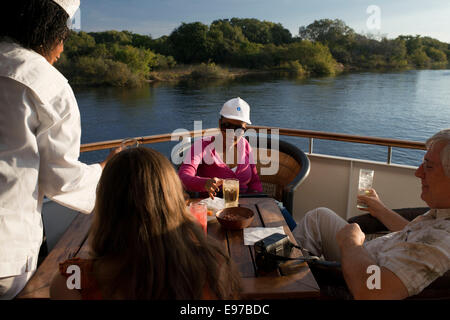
(388, 18)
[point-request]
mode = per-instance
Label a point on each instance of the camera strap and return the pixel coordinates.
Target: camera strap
(309, 258)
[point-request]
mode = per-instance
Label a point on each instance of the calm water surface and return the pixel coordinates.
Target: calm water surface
(409, 105)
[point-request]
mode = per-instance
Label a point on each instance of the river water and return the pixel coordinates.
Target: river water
(409, 105)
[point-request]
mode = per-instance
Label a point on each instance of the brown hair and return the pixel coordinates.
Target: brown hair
(141, 223)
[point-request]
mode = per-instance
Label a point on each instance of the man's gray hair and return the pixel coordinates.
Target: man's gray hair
(443, 135)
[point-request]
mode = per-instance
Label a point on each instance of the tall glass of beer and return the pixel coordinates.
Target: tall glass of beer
(231, 192)
(364, 185)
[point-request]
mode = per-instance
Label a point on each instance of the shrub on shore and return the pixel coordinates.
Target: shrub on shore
(208, 71)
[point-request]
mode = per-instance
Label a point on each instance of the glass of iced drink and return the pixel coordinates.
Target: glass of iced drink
(200, 212)
(364, 185)
(231, 192)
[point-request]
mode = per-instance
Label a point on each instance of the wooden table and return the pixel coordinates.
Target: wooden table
(276, 285)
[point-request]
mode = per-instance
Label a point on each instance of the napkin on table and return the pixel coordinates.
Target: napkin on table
(252, 235)
(215, 205)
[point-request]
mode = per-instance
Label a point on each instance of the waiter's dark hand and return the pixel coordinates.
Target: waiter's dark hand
(111, 154)
(212, 186)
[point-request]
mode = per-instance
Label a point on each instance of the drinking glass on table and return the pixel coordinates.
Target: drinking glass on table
(200, 212)
(364, 185)
(231, 192)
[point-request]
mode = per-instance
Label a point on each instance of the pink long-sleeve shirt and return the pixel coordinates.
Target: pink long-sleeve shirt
(202, 163)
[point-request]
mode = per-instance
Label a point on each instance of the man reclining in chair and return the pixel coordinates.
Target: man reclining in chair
(409, 258)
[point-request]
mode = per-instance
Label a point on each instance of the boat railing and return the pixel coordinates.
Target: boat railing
(311, 135)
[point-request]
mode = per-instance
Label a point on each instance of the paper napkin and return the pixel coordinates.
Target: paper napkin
(252, 235)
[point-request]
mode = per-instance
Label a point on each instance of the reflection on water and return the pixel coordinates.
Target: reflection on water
(410, 105)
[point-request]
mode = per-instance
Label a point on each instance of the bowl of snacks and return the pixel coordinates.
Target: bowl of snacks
(235, 218)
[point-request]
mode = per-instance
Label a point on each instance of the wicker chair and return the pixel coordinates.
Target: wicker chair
(332, 283)
(293, 168)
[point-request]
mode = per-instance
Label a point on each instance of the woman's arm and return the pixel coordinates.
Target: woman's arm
(188, 169)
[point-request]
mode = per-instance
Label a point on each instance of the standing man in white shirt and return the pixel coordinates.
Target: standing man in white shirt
(39, 134)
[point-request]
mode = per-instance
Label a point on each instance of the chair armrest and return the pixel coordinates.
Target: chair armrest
(288, 191)
(370, 224)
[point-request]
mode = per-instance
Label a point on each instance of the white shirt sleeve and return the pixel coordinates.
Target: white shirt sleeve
(62, 177)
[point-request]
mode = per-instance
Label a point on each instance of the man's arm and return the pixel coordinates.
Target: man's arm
(391, 219)
(355, 261)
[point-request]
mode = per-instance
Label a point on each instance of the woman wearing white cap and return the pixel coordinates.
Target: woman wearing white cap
(39, 134)
(225, 156)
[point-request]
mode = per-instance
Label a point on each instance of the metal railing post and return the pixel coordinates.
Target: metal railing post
(389, 159)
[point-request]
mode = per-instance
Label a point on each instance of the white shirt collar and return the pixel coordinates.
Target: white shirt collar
(440, 213)
(31, 69)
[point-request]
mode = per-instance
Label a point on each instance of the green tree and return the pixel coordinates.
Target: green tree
(113, 36)
(254, 30)
(413, 43)
(436, 54)
(162, 46)
(314, 56)
(223, 41)
(420, 59)
(141, 41)
(280, 35)
(327, 31)
(189, 43)
(139, 61)
(78, 44)
(335, 34)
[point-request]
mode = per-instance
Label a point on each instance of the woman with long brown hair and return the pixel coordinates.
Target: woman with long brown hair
(145, 244)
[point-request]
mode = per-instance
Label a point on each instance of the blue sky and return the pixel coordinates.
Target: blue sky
(161, 17)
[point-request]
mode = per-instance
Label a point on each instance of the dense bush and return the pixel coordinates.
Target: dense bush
(207, 71)
(364, 52)
(99, 72)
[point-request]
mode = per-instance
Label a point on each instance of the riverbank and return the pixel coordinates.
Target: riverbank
(204, 71)
(211, 71)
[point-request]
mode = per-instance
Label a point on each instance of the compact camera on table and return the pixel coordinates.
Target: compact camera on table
(270, 251)
(275, 249)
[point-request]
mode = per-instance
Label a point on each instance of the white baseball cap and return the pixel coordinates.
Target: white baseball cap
(236, 109)
(70, 6)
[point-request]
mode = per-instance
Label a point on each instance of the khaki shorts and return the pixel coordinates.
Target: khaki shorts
(317, 231)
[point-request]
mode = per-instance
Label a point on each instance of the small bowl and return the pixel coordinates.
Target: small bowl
(235, 218)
